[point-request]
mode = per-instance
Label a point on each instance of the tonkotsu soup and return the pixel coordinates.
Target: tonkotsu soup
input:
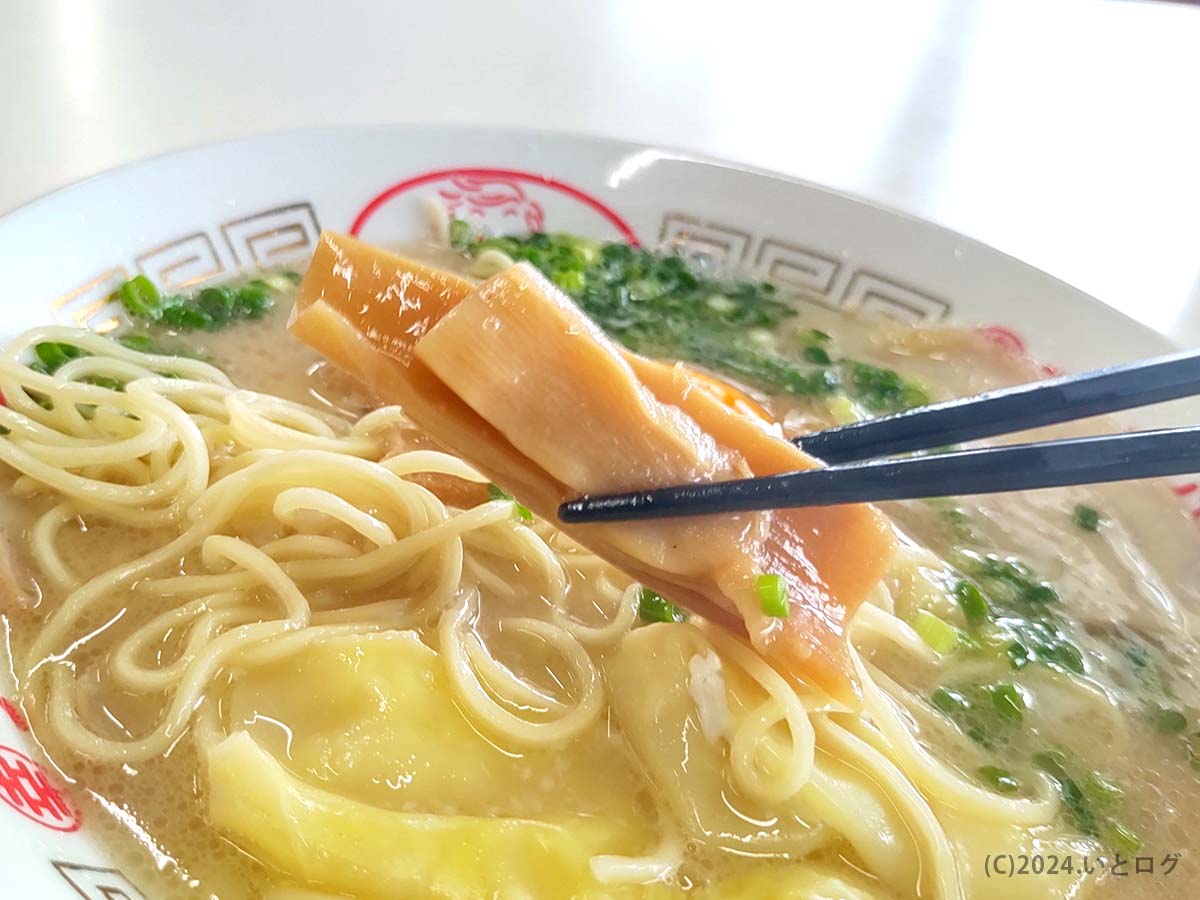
(285, 638)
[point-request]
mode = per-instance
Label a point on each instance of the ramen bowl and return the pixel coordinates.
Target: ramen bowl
(207, 214)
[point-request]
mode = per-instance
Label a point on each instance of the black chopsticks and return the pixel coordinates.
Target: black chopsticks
(1017, 467)
(1061, 399)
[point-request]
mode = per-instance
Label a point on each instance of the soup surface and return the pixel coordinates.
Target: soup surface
(493, 710)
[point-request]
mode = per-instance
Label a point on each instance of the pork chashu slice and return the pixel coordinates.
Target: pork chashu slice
(513, 377)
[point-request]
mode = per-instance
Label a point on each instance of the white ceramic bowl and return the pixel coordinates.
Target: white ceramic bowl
(203, 213)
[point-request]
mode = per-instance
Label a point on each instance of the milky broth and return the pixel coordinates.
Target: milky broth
(1134, 580)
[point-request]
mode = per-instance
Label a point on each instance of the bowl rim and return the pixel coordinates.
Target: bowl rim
(13, 216)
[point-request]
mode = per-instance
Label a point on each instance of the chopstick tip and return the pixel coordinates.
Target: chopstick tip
(571, 510)
(604, 508)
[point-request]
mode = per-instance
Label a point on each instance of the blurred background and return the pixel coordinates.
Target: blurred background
(1064, 132)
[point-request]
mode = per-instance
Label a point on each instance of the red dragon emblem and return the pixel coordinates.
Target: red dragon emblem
(477, 195)
(497, 195)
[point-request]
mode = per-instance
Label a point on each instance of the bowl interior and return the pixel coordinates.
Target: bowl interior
(206, 213)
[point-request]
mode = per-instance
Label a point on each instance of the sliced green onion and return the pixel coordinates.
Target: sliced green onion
(1062, 654)
(842, 410)
(1118, 837)
(570, 280)
(939, 635)
(461, 234)
(1053, 762)
(1018, 655)
(520, 511)
(1102, 792)
(140, 298)
(1169, 721)
(54, 355)
(999, 780)
(185, 318)
(253, 299)
(653, 607)
(883, 390)
(209, 309)
(1087, 518)
(139, 342)
(950, 702)
(971, 601)
(1008, 701)
(281, 281)
(1089, 798)
(1077, 805)
(1040, 592)
(772, 595)
(818, 355)
(645, 289)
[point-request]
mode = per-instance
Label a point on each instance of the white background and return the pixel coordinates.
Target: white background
(1066, 132)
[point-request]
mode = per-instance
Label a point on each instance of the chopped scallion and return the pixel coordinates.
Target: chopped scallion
(818, 355)
(772, 595)
(653, 607)
(999, 780)
(140, 298)
(520, 511)
(1169, 721)
(139, 342)
(971, 601)
(950, 702)
(1008, 701)
(941, 636)
(1087, 518)
(570, 280)
(54, 355)
(1018, 655)
(461, 234)
(210, 308)
(1101, 791)
(1121, 838)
